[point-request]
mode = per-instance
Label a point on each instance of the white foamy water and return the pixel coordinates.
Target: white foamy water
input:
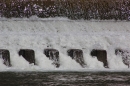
(63, 34)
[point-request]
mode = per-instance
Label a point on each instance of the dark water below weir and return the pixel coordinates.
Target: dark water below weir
(64, 78)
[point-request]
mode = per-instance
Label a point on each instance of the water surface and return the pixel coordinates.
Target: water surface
(64, 78)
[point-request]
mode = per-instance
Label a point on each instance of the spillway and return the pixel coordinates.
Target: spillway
(63, 34)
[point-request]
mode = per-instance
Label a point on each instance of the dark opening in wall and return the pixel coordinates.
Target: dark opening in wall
(101, 56)
(28, 54)
(5, 55)
(125, 54)
(77, 55)
(53, 55)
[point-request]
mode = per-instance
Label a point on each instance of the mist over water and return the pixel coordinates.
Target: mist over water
(63, 34)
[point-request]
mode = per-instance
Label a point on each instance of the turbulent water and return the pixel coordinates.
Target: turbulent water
(64, 79)
(63, 34)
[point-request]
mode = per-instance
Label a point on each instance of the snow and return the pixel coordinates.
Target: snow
(63, 34)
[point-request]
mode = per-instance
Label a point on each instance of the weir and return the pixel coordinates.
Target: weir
(63, 34)
(64, 42)
(60, 35)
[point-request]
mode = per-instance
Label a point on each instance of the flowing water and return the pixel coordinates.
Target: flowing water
(63, 34)
(64, 78)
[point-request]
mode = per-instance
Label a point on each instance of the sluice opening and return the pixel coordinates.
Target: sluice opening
(77, 55)
(101, 56)
(125, 54)
(28, 54)
(53, 55)
(5, 55)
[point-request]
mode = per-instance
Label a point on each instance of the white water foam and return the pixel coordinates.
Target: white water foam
(63, 34)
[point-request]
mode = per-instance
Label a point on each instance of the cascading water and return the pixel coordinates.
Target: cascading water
(30, 25)
(64, 42)
(63, 34)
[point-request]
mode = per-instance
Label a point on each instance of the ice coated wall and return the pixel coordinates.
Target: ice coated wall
(63, 34)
